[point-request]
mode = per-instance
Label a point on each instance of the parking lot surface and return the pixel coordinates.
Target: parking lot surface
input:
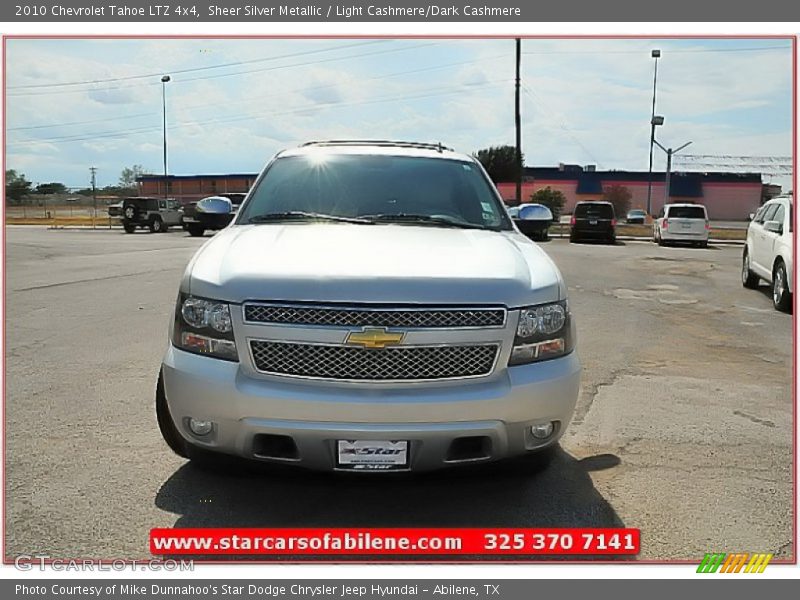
(683, 427)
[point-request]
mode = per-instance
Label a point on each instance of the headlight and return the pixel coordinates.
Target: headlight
(543, 332)
(204, 327)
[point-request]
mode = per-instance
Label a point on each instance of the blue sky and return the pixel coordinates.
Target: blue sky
(72, 104)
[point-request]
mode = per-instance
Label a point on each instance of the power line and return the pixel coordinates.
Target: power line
(195, 69)
(263, 96)
(457, 89)
(262, 70)
(676, 51)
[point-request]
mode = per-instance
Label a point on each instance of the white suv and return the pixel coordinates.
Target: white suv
(769, 250)
(681, 223)
(371, 308)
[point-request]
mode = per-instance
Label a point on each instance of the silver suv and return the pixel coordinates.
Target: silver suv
(371, 308)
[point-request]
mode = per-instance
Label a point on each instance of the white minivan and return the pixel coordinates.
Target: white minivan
(682, 223)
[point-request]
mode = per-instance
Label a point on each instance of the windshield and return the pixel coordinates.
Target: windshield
(586, 210)
(377, 188)
(686, 212)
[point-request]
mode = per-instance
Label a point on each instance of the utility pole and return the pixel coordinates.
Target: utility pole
(164, 80)
(670, 153)
(517, 122)
(656, 54)
(93, 171)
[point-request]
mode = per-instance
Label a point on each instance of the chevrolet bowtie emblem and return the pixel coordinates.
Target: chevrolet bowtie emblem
(374, 338)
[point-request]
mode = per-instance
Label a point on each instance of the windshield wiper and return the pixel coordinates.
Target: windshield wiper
(424, 219)
(299, 215)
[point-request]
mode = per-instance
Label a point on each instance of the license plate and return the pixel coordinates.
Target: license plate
(593, 222)
(373, 455)
(685, 225)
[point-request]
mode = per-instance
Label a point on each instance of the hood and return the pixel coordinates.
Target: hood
(346, 263)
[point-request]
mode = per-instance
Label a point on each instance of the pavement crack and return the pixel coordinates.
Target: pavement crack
(77, 281)
(765, 422)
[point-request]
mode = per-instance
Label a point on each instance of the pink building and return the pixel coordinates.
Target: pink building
(727, 196)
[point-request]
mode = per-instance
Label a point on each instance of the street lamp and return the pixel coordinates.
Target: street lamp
(670, 153)
(656, 54)
(164, 81)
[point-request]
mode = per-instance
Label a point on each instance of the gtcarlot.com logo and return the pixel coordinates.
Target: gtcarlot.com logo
(741, 562)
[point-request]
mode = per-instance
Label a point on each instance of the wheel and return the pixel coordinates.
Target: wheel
(612, 240)
(130, 212)
(781, 298)
(129, 228)
(749, 279)
(546, 235)
(195, 230)
(573, 238)
(165, 423)
(156, 225)
(703, 244)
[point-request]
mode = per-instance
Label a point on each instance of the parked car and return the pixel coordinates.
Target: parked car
(370, 308)
(636, 217)
(212, 213)
(593, 220)
(156, 214)
(534, 220)
(115, 210)
(685, 223)
(768, 251)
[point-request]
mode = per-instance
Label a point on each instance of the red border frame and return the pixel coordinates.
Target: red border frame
(792, 37)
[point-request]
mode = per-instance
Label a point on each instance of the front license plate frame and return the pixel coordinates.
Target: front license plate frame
(373, 455)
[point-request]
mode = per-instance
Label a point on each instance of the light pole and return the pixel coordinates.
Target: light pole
(670, 153)
(656, 54)
(518, 126)
(164, 81)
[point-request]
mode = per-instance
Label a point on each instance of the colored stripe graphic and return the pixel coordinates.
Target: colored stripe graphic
(734, 563)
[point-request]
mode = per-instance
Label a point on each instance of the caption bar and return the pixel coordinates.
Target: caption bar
(605, 541)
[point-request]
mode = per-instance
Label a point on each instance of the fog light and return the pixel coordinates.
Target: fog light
(200, 427)
(542, 431)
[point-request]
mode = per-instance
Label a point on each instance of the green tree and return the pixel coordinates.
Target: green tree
(500, 162)
(127, 179)
(17, 187)
(53, 187)
(552, 199)
(620, 197)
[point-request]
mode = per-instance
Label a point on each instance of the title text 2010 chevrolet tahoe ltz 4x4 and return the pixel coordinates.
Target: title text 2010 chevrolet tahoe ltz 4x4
(371, 308)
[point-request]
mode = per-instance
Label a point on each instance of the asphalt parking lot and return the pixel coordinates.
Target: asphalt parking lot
(683, 427)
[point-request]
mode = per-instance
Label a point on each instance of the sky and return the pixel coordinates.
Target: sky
(232, 103)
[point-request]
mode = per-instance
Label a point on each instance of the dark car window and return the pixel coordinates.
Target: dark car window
(686, 212)
(589, 210)
(779, 214)
(350, 185)
(769, 212)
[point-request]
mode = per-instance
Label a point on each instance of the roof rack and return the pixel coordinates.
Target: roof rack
(386, 143)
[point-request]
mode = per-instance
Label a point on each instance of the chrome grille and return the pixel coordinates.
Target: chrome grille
(360, 317)
(396, 363)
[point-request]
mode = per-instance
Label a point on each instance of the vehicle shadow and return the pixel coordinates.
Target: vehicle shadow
(510, 494)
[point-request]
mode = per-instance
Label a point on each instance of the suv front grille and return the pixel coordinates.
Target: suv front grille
(387, 364)
(356, 317)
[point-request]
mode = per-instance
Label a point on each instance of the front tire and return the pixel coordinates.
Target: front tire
(129, 228)
(781, 298)
(165, 423)
(749, 279)
(156, 225)
(195, 230)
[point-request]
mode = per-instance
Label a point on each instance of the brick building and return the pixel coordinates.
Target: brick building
(188, 188)
(727, 196)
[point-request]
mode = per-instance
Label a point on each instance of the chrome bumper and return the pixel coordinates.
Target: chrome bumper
(429, 415)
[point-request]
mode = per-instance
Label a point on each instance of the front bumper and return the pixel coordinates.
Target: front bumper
(498, 410)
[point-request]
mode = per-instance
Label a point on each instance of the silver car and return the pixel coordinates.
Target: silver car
(371, 308)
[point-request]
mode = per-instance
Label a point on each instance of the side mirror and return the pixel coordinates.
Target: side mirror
(751, 216)
(774, 227)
